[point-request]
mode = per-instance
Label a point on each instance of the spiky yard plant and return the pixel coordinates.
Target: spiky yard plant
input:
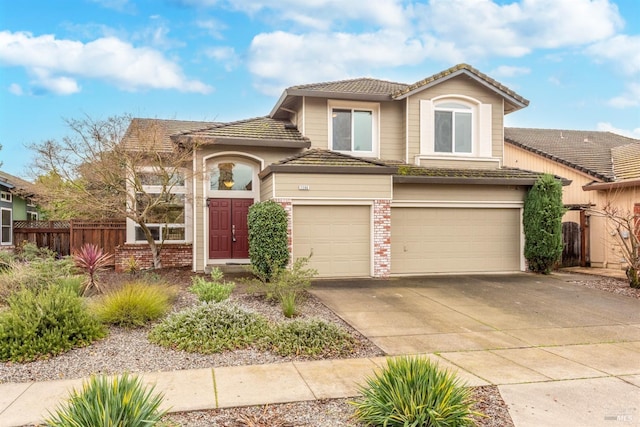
(414, 392)
(134, 304)
(91, 259)
(110, 401)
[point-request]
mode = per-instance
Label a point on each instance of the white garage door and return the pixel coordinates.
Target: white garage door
(454, 240)
(338, 236)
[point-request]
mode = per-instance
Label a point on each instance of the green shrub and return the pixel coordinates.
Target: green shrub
(542, 222)
(314, 338)
(216, 290)
(6, 259)
(116, 401)
(413, 391)
(210, 328)
(289, 304)
(27, 251)
(134, 304)
(36, 275)
(268, 239)
(44, 323)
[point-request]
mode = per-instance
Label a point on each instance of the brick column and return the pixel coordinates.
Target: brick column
(381, 238)
(288, 208)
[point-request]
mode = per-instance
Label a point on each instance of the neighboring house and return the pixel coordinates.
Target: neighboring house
(378, 178)
(15, 205)
(604, 169)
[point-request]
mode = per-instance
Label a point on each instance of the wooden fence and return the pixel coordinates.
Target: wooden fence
(64, 237)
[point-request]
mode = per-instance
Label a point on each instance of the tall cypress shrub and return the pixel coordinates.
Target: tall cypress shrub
(543, 210)
(268, 239)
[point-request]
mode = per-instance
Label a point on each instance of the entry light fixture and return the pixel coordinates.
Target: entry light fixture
(228, 183)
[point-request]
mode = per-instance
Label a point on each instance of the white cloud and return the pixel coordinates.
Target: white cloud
(608, 127)
(57, 64)
(622, 50)
(280, 59)
(15, 89)
(213, 27)
(509, 71)
(482, 27)
(225, 54)
(631, 98)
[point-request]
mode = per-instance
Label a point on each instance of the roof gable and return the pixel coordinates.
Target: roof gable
(585, 151)
(626, 161)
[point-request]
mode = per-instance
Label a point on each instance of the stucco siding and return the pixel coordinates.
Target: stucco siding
(332, 186)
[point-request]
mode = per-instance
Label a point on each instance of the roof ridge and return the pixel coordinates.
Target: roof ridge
(345, 81)
(312, 151)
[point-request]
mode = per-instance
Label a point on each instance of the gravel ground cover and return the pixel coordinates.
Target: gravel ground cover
(129, 350)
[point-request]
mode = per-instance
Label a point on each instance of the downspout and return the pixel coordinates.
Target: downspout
(406, 131)
(193, 214)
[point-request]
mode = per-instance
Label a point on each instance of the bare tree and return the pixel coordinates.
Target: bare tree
(117, 168)
(625, 229)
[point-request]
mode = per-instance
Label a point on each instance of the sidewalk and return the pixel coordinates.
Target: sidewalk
(577, 385)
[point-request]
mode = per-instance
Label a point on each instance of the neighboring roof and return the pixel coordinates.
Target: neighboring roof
(586, 151)
(158, 132)
(626, 161)
(263, 131)
(504, 176)
(382, 90)
(325, 161)
(16, 185)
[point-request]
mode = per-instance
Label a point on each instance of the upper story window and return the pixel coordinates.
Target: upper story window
(354, 128)
(453, 128)
(5, 196)
(6, 227)
(456, 126)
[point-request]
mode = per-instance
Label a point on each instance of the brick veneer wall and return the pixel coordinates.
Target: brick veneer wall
(288, 208)
(381, 238)
(171, 255)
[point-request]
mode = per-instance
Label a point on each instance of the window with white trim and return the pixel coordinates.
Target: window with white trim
(457, 126)
(32, 216)
(5, 196)
(166, 216)
(354, 128)
(453, 128)
(7, 229)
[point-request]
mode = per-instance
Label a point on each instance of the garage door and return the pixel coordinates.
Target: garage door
(338, 236)
(454, 240)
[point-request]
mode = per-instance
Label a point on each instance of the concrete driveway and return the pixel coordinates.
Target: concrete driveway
(561, 354)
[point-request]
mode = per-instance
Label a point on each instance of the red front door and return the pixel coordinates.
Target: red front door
(228, 228)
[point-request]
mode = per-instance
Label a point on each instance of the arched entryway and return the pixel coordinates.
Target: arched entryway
(232, 187)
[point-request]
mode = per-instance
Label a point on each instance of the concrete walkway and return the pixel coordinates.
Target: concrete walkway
(572, 362)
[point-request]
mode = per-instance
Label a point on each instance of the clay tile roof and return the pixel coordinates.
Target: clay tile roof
(259, 128)
(587, 151)
(367, 86)
(457, 69)
(626, 161)
(320, 157)
(158, 132)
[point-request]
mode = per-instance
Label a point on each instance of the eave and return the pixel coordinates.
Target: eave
(243, 142)
(595, 186)
(328, 169)
(453, 180)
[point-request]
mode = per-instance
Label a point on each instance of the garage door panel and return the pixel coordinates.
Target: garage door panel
(441, 240)
(338, 236)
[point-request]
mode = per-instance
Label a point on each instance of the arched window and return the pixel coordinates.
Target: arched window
(453, 128)
(228, 175)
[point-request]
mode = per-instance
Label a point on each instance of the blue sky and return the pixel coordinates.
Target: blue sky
(577, 61)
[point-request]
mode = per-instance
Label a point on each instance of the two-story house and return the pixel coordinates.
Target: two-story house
(15, 205)
(378, 178)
